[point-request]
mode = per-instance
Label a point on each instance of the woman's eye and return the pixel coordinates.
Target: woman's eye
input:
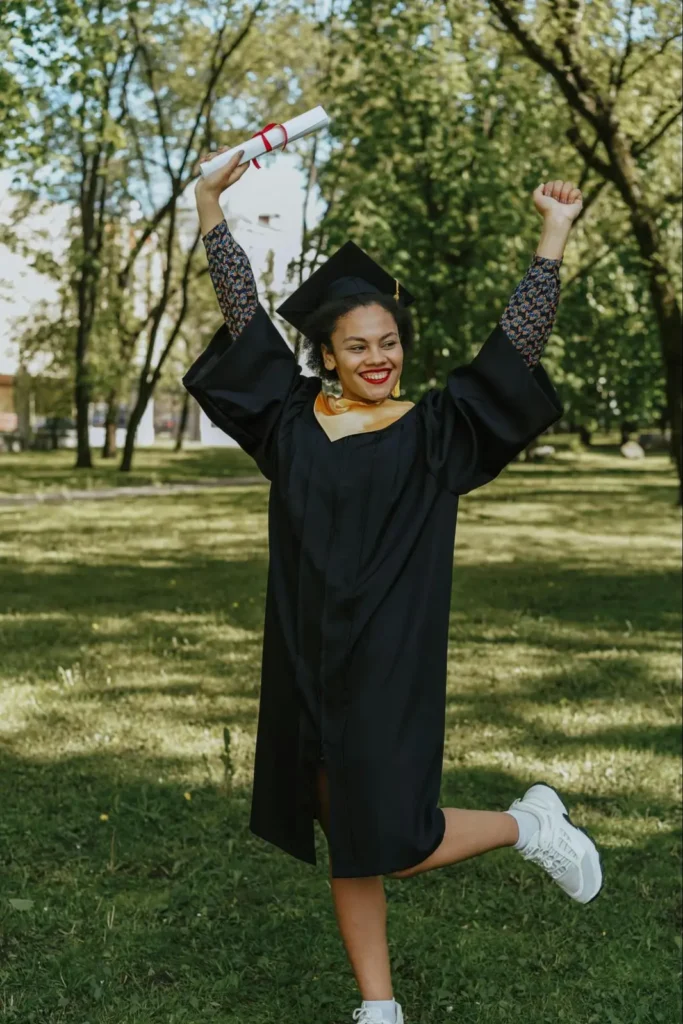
(386, 344)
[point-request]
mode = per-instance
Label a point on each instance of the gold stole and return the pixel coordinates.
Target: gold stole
(340, 417)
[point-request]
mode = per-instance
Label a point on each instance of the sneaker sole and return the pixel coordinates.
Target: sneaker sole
(565, 814)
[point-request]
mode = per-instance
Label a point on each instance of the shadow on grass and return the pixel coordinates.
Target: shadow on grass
(171, 907)
(199, 583)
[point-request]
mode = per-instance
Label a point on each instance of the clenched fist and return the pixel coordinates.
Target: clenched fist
(559, 199)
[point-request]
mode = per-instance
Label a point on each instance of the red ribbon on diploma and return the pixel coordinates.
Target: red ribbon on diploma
(266, 143)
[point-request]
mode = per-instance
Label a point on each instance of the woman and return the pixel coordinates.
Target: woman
(362, 512)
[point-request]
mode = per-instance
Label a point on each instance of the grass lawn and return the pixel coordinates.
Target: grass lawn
(29, 472)
(131, 891)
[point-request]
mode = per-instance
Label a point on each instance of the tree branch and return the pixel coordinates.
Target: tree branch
(617, 80)
(638, 149)
(581, 102)
(173, 334)
(593, 263)
(215, 75)
(588, 152)
(651, 56)
(180, 180)
(155, 98)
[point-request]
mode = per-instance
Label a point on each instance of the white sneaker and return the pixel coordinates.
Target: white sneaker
(370, 1015)
(563, 849)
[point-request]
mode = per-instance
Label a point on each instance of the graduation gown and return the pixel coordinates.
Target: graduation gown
(361, 538)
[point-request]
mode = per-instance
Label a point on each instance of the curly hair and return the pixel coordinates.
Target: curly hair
(320, 325)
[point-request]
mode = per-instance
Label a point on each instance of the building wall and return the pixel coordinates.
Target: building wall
(8, 416)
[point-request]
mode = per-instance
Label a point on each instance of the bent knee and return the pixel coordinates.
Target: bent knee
(406, 873)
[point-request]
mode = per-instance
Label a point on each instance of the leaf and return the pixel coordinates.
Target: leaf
(19, 904)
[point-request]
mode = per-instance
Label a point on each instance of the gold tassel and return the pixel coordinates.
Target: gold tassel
(396, 292)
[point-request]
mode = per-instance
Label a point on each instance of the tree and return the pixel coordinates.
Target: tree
(610, 372)
(177, 120)
(131, 96)
(73, 140)
(440, 143)
(623, 99)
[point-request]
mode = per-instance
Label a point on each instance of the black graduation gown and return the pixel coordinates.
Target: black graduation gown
(361, 537)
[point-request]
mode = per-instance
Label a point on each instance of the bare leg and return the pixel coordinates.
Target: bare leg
(468, 834)
(361, 910)
(360, 903)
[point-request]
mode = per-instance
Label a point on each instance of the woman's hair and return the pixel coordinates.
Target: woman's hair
(320, 325)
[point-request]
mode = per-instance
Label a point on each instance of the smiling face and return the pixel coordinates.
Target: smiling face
(366, 353)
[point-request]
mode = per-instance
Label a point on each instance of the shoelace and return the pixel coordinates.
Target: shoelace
(364, 1015)
(542, 852)
(554, 862)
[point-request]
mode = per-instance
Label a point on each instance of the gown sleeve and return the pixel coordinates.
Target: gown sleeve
(244, 377)
(491, 409)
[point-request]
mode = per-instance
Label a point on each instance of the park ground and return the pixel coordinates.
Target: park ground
(131, 890)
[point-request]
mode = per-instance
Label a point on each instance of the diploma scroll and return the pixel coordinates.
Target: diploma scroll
(304, 124)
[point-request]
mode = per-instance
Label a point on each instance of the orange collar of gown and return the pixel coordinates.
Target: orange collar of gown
(340, 417)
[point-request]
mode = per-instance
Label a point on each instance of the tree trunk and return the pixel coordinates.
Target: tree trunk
(82, 393)
(586, 435)
(182, 425)
(149, 378)
(668, 315)
(109, 446)
(144, 395)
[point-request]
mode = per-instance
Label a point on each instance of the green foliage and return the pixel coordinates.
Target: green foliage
(609, 367)
(120, 109)
(432, 121)
(442, 130)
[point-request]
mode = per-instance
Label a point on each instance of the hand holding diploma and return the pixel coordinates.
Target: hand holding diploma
(209, 189)
(223, 168)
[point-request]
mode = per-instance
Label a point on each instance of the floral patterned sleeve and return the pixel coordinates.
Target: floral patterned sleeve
(531, 311)
(232, 278)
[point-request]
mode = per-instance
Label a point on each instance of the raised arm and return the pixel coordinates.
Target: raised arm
(229, 267)
(232, 277)
(531, 311)
(492, 408)
(247, 374)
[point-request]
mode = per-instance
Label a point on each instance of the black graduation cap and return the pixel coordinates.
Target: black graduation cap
(349, 271)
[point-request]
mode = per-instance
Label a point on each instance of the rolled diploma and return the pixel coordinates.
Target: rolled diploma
(304, 124)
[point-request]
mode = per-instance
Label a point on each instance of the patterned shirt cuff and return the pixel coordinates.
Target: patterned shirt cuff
(232, 278)
(530, 314)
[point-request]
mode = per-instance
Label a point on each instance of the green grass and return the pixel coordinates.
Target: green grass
(130, 635)
(29, 472)
(45, 472)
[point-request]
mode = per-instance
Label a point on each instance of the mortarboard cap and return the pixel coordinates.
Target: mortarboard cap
(349, 271)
